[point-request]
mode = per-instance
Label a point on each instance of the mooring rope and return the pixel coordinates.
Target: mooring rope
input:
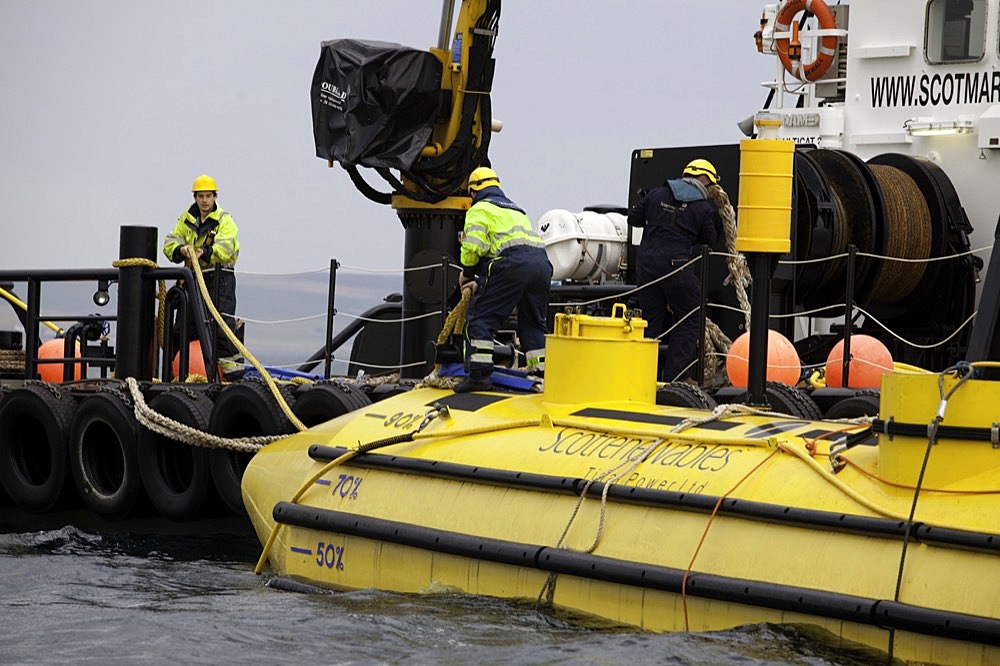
(608, 478)
(164, 425)
(739, 272)
(222, 326)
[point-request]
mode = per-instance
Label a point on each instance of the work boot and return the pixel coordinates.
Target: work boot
(475, 383)
(232, 369)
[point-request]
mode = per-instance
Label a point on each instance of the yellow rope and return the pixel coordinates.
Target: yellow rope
(828, 476)
(455, 322)
(364, 448)
(295, 498)
(271, 385)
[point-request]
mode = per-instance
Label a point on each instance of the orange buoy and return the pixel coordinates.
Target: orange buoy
(196, 361)
(53, 372)
(870, 359)
(783, 363)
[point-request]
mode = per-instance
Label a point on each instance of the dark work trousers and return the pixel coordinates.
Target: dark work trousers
(681, 293)
(518, 278)
(225, 303)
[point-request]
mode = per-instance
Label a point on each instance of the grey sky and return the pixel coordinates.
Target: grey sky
(111, 108)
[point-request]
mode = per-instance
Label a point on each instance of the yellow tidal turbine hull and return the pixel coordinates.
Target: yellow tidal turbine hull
(613, 510)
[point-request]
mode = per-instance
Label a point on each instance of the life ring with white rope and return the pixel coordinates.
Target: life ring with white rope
(806, 71)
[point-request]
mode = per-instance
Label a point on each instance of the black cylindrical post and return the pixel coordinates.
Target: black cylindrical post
(135, 354)
(428, 236)
(760, 274)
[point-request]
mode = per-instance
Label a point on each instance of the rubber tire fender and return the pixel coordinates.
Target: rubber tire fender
(862, 404)
(792, 400)
(786, 399)
(244, 409)
(322, 402)
(34, 460)
(177, 476)
(682, 394)
(104, 455)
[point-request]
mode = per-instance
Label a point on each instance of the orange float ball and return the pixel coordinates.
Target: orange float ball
(196, 361)
(870, 359)
(53, 372)
(783, 363)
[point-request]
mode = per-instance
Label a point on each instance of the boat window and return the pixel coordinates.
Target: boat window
(956, 31)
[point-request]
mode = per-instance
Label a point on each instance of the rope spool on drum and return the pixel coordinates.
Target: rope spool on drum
(908, 235)
(857, 221)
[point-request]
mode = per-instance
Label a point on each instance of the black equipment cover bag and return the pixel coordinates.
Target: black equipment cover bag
(374, 104)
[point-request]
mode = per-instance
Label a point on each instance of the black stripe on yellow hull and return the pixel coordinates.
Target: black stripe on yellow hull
(881, 613)
(772, 513)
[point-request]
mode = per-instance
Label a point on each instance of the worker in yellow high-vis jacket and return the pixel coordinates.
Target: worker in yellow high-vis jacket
(209, 233)
(505, 263)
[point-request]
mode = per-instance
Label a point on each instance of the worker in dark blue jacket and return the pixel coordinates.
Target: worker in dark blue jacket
(675, 217)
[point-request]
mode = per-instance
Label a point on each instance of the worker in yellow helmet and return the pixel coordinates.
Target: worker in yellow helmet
(208, 234)
(676, 216)
(505, 264)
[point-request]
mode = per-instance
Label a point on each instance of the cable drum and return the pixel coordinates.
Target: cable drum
(857, 222)
(908, 235)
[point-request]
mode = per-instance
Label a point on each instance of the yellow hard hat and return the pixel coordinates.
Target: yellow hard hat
(483, 177)
(702, 168)
(204, 183)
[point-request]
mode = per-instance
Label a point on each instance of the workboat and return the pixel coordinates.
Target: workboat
(628, 498)
(825, 487)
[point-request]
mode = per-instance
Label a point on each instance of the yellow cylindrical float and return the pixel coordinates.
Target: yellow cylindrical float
(600, 359)
(914, 400)
(765, 203)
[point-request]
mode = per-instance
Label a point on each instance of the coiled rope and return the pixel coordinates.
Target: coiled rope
(454, 324)
(739, 272)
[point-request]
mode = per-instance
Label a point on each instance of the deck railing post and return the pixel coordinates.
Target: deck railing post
(331, 312)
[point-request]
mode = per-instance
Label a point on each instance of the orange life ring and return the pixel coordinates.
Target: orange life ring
(806, 71)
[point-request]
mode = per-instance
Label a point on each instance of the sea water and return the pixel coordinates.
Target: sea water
(72, 595)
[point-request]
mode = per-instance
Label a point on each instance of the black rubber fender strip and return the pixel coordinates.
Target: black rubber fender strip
(820, 603)
(956, 626)
(770, 513)
(919, 430)
(436, 468)
(452, 543)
